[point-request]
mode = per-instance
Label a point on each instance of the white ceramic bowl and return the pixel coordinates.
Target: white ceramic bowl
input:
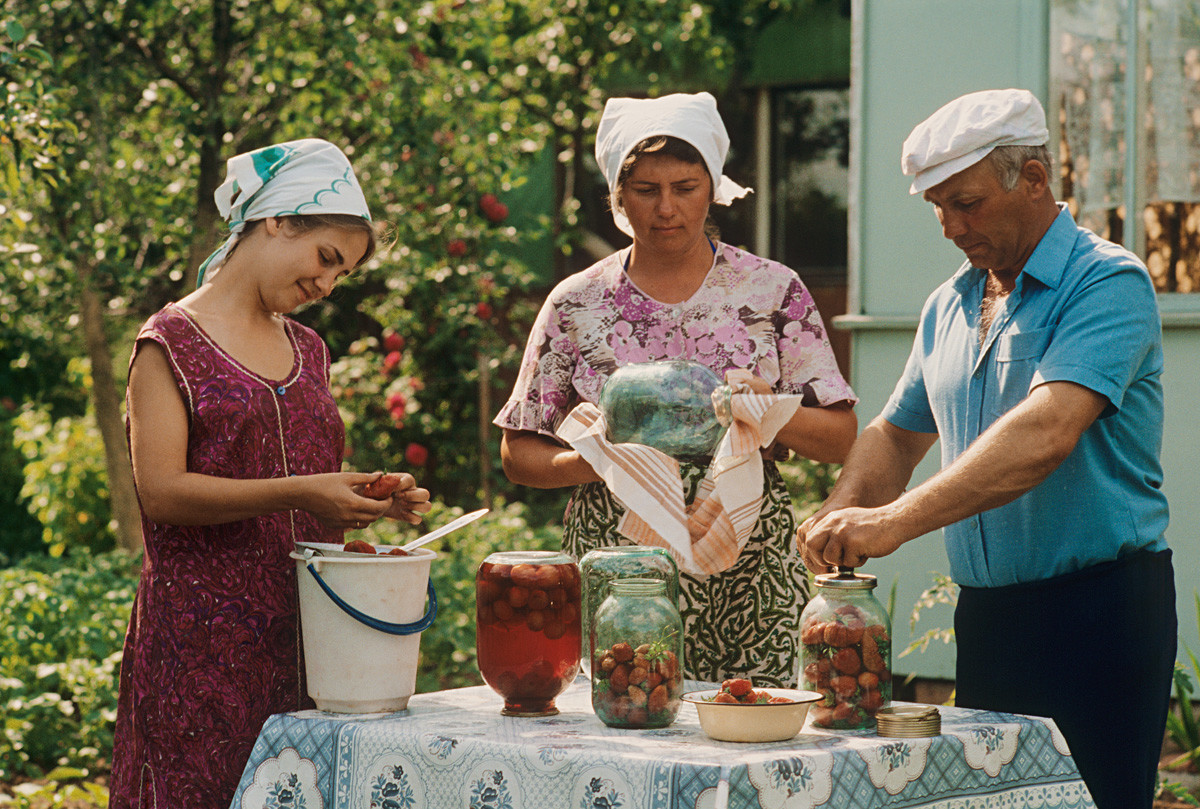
(764, 722)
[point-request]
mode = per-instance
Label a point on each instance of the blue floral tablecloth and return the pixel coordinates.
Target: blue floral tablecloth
(455, 749)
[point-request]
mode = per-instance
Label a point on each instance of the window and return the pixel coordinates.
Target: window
(1129, 140)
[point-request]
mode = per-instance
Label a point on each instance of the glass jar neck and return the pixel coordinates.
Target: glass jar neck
(638, 587)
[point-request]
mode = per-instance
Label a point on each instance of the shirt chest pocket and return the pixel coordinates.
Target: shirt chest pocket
(1017, 356)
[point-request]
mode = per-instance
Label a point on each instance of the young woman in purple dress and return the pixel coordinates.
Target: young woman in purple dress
(237, 450)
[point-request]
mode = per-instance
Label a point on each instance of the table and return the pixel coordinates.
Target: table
(454, 749)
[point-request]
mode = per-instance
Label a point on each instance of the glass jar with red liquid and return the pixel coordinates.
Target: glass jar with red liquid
(527, 628)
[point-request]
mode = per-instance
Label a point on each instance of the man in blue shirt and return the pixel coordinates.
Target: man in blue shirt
(1038, 367)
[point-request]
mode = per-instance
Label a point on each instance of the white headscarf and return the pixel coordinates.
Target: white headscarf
(691, 117)
(309, 176)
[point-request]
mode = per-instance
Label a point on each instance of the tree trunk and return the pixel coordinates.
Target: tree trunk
(206, 237)
(107, 401)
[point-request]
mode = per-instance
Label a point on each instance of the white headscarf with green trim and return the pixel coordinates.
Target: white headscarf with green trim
(309, 176)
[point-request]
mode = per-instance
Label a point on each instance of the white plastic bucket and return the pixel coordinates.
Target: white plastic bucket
(361, 619)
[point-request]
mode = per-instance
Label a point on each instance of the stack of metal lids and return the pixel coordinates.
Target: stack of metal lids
(908, 721)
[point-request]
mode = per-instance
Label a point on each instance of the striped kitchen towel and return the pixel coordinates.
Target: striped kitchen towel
(706, 536)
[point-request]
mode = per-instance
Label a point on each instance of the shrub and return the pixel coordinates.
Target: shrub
(60, 647)
(66, 481)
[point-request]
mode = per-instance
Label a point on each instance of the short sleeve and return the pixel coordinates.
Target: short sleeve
(1106, 335)
(807, 364)
(543, 393)
(908, 407)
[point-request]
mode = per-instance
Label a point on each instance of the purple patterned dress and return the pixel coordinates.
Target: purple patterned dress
(212, 648)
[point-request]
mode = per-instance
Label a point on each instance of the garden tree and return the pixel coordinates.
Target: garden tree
(30, 117)
(444, 106)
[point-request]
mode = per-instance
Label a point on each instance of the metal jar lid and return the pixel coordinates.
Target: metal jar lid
(846, 579)
(908, 721)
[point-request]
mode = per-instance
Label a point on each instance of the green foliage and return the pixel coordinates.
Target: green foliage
(809, 484)
(1183, 727)
(63, 788)
(942, 591)
(30, 116)
(1174, 793)
(60, 647)
(20, 532)
(448, 646)
(66, 483)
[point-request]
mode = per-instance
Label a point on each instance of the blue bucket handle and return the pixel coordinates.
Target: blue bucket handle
(419, 625)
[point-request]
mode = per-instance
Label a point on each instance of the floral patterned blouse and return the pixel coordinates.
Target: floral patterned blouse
(750, 313)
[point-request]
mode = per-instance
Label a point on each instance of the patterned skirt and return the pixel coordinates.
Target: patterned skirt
(743, 622)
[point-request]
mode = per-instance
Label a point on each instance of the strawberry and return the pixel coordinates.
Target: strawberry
(847, 661)
(872, 659)
(739, 687)
(382, 487)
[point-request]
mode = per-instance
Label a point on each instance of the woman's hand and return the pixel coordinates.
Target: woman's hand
(409, 501)
(335, 499)
(736, 377)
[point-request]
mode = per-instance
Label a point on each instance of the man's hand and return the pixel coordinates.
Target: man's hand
(847, 537)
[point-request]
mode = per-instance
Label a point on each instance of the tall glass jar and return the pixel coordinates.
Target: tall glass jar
(637, 679)
(599, 567)
(847, 654)
(527, 628)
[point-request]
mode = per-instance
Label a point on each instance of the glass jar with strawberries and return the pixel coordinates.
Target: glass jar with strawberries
(527, 627)
(847, 652)
(600, 566)
(637, 655)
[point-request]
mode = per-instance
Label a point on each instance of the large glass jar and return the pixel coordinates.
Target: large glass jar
(600, 566)
(666, 404)
(847, 655)
(637, 656)
(527, 628)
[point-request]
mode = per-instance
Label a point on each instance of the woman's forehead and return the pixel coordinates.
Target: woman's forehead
(665, 168)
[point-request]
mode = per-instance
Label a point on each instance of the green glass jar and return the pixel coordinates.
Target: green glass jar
(665, 404)
(637, 654)
(600, 566)
(847, 651)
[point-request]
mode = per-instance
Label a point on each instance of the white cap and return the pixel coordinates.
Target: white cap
(965, 131)
(691, 117)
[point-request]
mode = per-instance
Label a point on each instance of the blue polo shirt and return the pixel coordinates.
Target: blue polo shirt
(1083, 311)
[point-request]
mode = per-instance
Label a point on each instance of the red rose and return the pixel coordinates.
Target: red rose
(484, 310)
(393, 341)
(416, 455)
(456, 248)
(493, 208)
(391, 361)
(396, 401)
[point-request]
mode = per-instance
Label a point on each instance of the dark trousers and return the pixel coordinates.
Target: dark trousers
(1094, 651)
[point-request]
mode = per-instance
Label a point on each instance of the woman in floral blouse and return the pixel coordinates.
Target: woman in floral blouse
(677, 293)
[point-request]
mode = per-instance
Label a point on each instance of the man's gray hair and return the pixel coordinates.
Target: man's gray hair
(1009, 160)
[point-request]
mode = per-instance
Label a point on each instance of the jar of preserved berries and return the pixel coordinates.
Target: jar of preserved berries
(847, 654)
(527, 628)
(637, 655)
(600, 566)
